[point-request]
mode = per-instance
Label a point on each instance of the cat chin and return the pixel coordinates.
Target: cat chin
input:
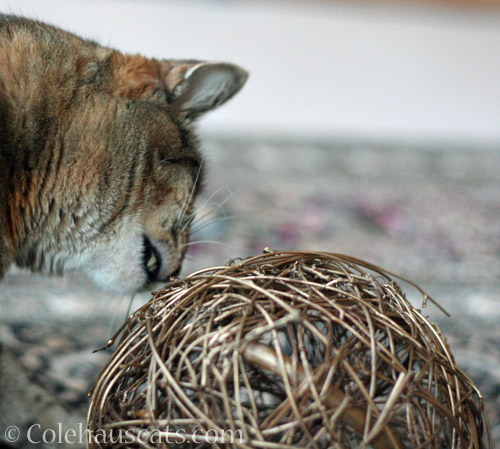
(114, 264)
(116, 277)
(119, 267)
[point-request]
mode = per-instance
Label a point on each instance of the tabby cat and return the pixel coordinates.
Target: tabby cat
(99, 166)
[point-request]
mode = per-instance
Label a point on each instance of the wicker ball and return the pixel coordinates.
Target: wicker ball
(285, 350)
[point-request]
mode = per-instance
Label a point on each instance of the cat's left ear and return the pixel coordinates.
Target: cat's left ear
(190, 87)
(205, 86)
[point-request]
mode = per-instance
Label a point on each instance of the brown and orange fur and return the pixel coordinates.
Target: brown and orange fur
(98, 155)
(99, 168)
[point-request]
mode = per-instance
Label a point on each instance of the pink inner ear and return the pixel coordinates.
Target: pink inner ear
(173, 73)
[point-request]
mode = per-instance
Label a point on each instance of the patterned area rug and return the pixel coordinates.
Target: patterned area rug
(429, 214)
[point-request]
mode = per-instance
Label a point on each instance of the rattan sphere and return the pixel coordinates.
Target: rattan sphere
(284, 350)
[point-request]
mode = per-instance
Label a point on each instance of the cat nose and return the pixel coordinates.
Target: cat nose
(176, 272)
(172, 274)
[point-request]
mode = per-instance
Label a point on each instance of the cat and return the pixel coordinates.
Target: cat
(99, 169)
(99, 165)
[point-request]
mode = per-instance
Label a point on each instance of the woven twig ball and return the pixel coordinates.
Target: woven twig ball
(284, 350)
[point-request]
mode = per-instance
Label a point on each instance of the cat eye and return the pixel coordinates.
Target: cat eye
(178, 161)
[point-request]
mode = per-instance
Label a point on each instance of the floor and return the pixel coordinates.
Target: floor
(429, 214)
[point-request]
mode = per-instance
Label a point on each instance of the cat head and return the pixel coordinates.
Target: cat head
(100, 158)
(160, 108)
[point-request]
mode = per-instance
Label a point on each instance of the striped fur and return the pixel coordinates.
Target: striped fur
(98, 154)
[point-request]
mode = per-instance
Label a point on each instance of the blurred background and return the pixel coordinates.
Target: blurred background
(366, 128)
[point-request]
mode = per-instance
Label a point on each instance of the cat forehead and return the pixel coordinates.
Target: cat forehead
(171, 141)
(165, 131)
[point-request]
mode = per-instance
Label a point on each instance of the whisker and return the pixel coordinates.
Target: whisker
(111, 330)
(219, 207)
(201, 226)
(188, 199)
(208, 203)
(130, 306)
(193, 219)
(197, 221)
(215, 242)
(231, 194)
(112, 326)
(181, 211)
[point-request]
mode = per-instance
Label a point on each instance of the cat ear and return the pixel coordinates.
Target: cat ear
(190, 87)
(203, 86)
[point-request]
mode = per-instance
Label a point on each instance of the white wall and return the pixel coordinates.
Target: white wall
(341, 70)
